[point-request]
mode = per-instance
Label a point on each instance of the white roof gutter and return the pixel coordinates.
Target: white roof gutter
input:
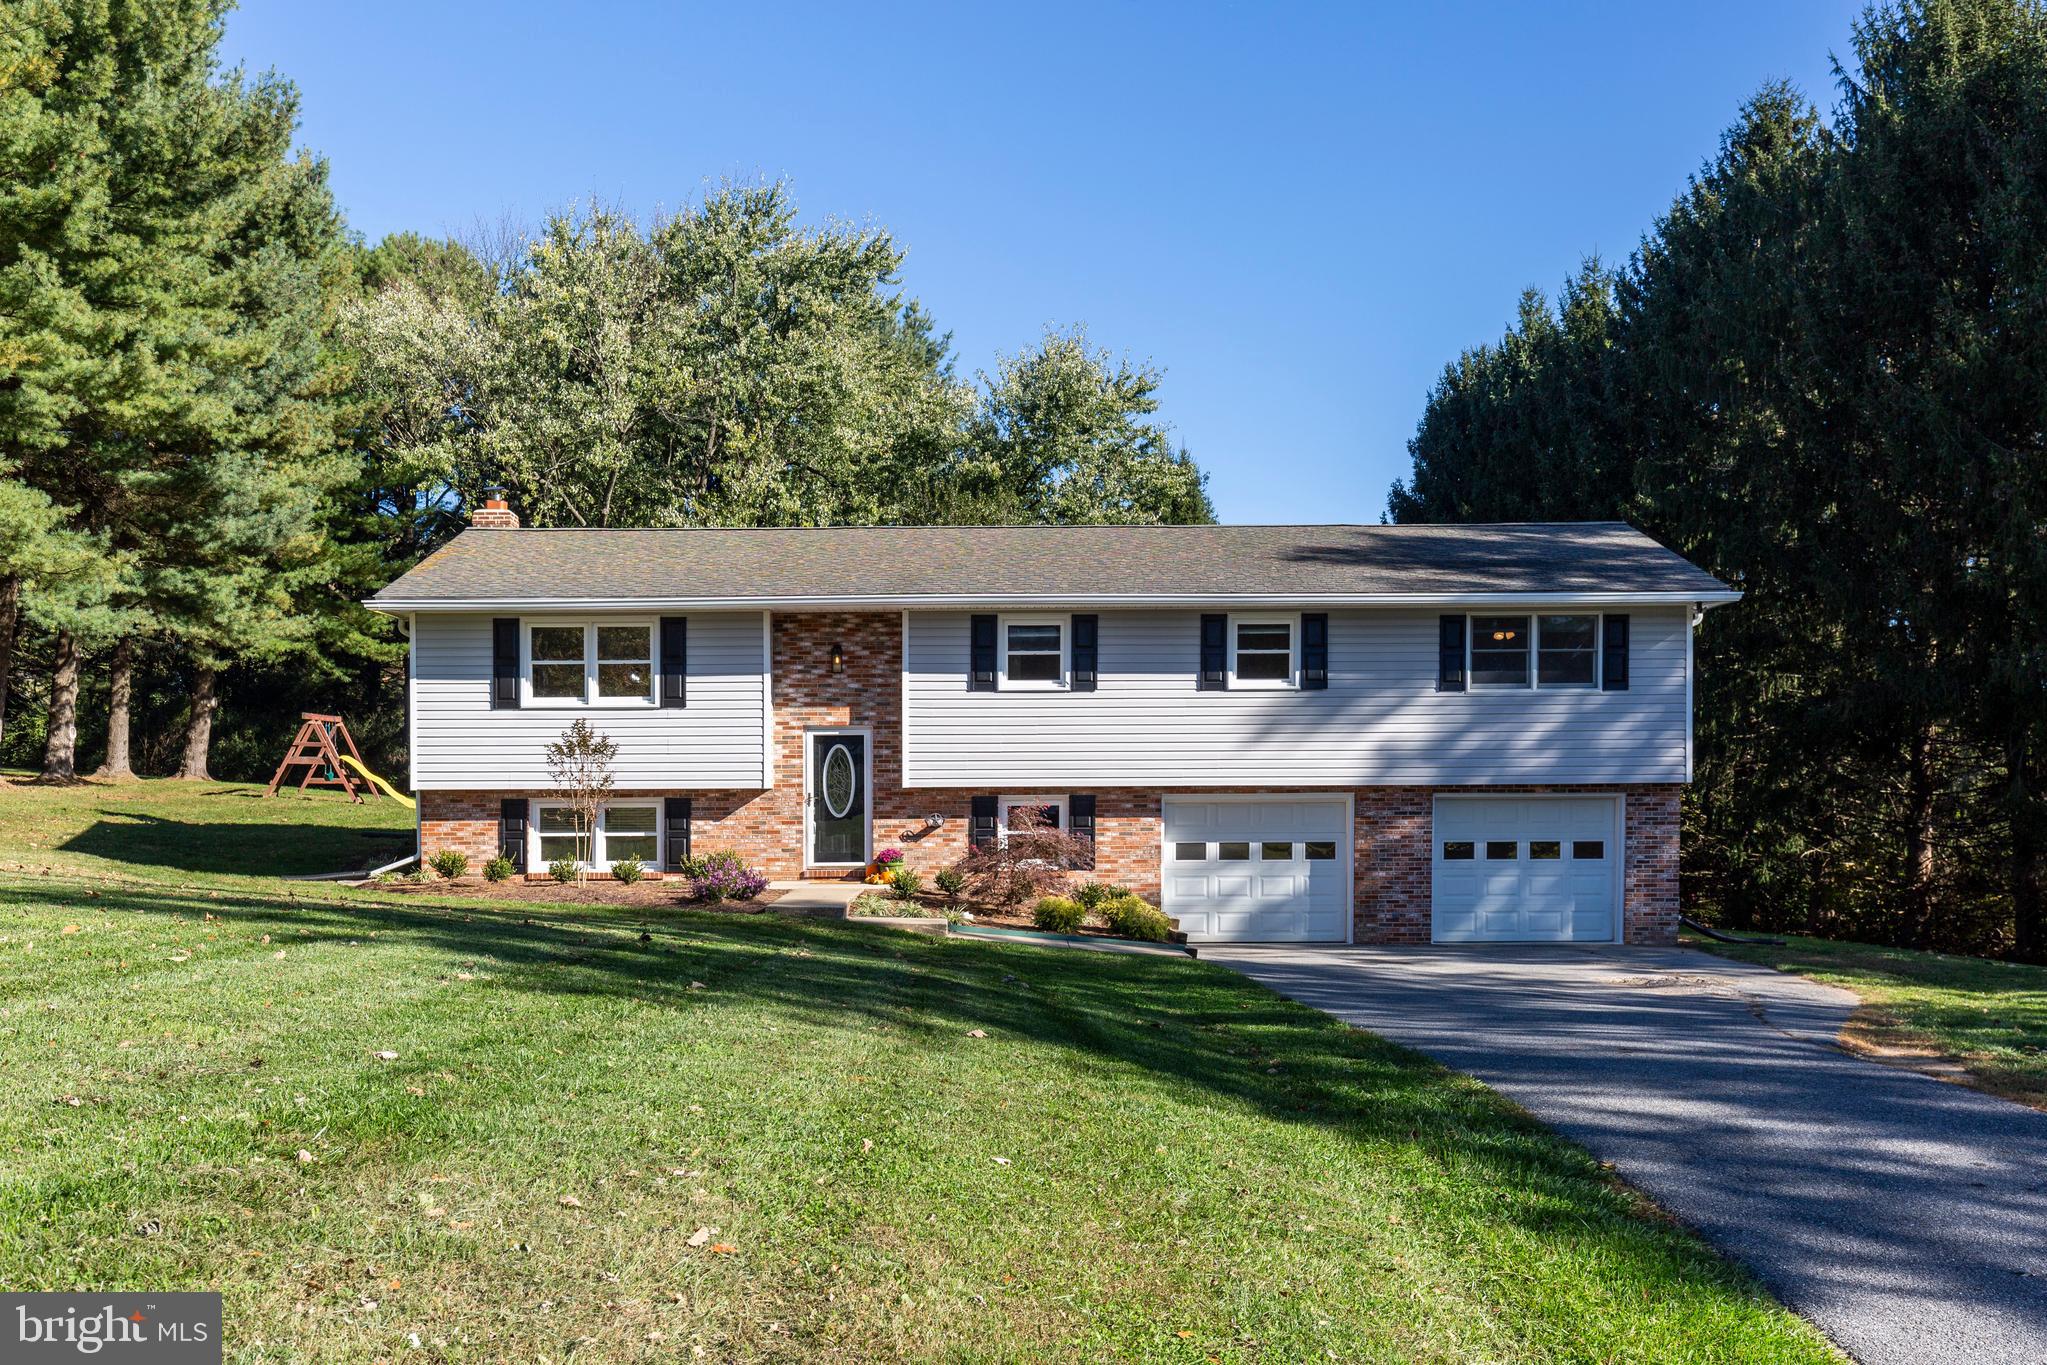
(941, 600)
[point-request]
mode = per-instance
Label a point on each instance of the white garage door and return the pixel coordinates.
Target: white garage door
(1247, 870)
(1526, 869)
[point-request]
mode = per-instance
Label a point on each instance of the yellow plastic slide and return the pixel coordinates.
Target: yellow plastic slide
(379, 783)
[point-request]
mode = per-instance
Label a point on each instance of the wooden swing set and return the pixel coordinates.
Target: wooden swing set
(318, 747)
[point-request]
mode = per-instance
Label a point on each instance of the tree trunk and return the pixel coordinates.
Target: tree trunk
(2028, 872)
(199, 727)
(120, 693)
(60, 746)
(1920, 790)
(10, 623)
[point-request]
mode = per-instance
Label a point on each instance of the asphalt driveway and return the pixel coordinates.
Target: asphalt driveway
(1907, 1217)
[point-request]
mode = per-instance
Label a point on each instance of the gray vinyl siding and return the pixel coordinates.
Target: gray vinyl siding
(1381, 721)
(718, 740)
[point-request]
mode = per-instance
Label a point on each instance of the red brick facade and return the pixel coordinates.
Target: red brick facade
(1392, 833)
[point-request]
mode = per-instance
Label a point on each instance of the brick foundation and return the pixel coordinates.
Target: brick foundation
(1391, 834)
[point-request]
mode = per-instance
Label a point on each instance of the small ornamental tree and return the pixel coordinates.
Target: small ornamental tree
(580, 762)
(1029, 862)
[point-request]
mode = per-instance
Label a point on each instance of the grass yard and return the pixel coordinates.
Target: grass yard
(1988, 1017)
(211, 830)
(660, 1134)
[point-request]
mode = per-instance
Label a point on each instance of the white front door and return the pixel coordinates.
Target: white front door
(1250, 869)
(1525, 869)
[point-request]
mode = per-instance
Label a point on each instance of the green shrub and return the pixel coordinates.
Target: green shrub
(450, 863)
(1093, 895)
(953, 883)
(562, 869)
(417, 876)
(907, 882)
(690, 868)
(1059, 915)
(499, 869)
(1129, 917)
(628, 870)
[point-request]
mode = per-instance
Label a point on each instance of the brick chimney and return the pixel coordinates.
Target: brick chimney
(496, 514)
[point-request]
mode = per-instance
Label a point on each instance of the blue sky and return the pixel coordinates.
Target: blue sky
(1301, 213)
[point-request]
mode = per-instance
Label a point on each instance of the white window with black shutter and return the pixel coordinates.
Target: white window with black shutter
(565, 663)
(1034, 653)
(1262, 652)
(1535, 651)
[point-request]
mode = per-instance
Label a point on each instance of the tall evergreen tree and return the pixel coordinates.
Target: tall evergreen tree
(1824, 383)
(161, 272)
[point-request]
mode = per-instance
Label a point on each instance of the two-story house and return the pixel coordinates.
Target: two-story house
(1324, 733)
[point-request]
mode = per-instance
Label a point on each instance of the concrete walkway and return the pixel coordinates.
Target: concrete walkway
(1907, 1217)
(827, 900)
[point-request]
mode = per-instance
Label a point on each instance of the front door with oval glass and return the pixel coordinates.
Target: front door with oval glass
(838, 799)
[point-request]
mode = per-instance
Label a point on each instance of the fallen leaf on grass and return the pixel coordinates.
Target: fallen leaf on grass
(304, 1156)
(977, 1033)
(723, 1248)
(569, 1201)
(70, 928)
(387, 1055)
(701, 1236)
(866, 1144)
(1002, 1161)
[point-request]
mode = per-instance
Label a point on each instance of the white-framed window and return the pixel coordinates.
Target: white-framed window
(588, 663)
(625, 829)
(1547, 651)
(1036, 652)
(1265, 652)
(1050, 810)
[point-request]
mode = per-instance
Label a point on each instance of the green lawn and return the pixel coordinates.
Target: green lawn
(605, 1137)
(1988, 1016)
(212, 830)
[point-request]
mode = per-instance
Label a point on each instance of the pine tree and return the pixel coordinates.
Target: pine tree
(162, 283)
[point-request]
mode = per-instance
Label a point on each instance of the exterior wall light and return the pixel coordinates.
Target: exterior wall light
(934, 821)
(838, 658)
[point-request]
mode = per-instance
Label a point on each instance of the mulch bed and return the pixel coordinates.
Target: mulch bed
(1015, 917)
(665, 894)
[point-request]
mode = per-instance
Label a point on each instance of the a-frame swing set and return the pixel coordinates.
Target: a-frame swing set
(318, 748)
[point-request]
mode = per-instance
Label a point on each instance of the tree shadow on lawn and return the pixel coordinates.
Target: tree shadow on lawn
(250, 848)
(1202, 1028)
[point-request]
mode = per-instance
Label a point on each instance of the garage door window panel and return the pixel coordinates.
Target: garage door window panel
(1319, 851)
(1588, 848)
(1501, 850)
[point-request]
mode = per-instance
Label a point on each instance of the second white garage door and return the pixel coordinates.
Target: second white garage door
(1244, 870)
(1526, 869)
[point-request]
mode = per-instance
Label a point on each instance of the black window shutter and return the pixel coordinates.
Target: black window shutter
(1314, 650)
(504, 664)
(1086, 653)
(981, 663)
(512, 830)
(675, 825)
(1080, 819)
(1613, 672)
(1450, 655)
(675, 661)
(1215, 652)
(981, 825)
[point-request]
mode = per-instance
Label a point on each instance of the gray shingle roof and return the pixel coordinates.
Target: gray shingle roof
(1079, 563)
